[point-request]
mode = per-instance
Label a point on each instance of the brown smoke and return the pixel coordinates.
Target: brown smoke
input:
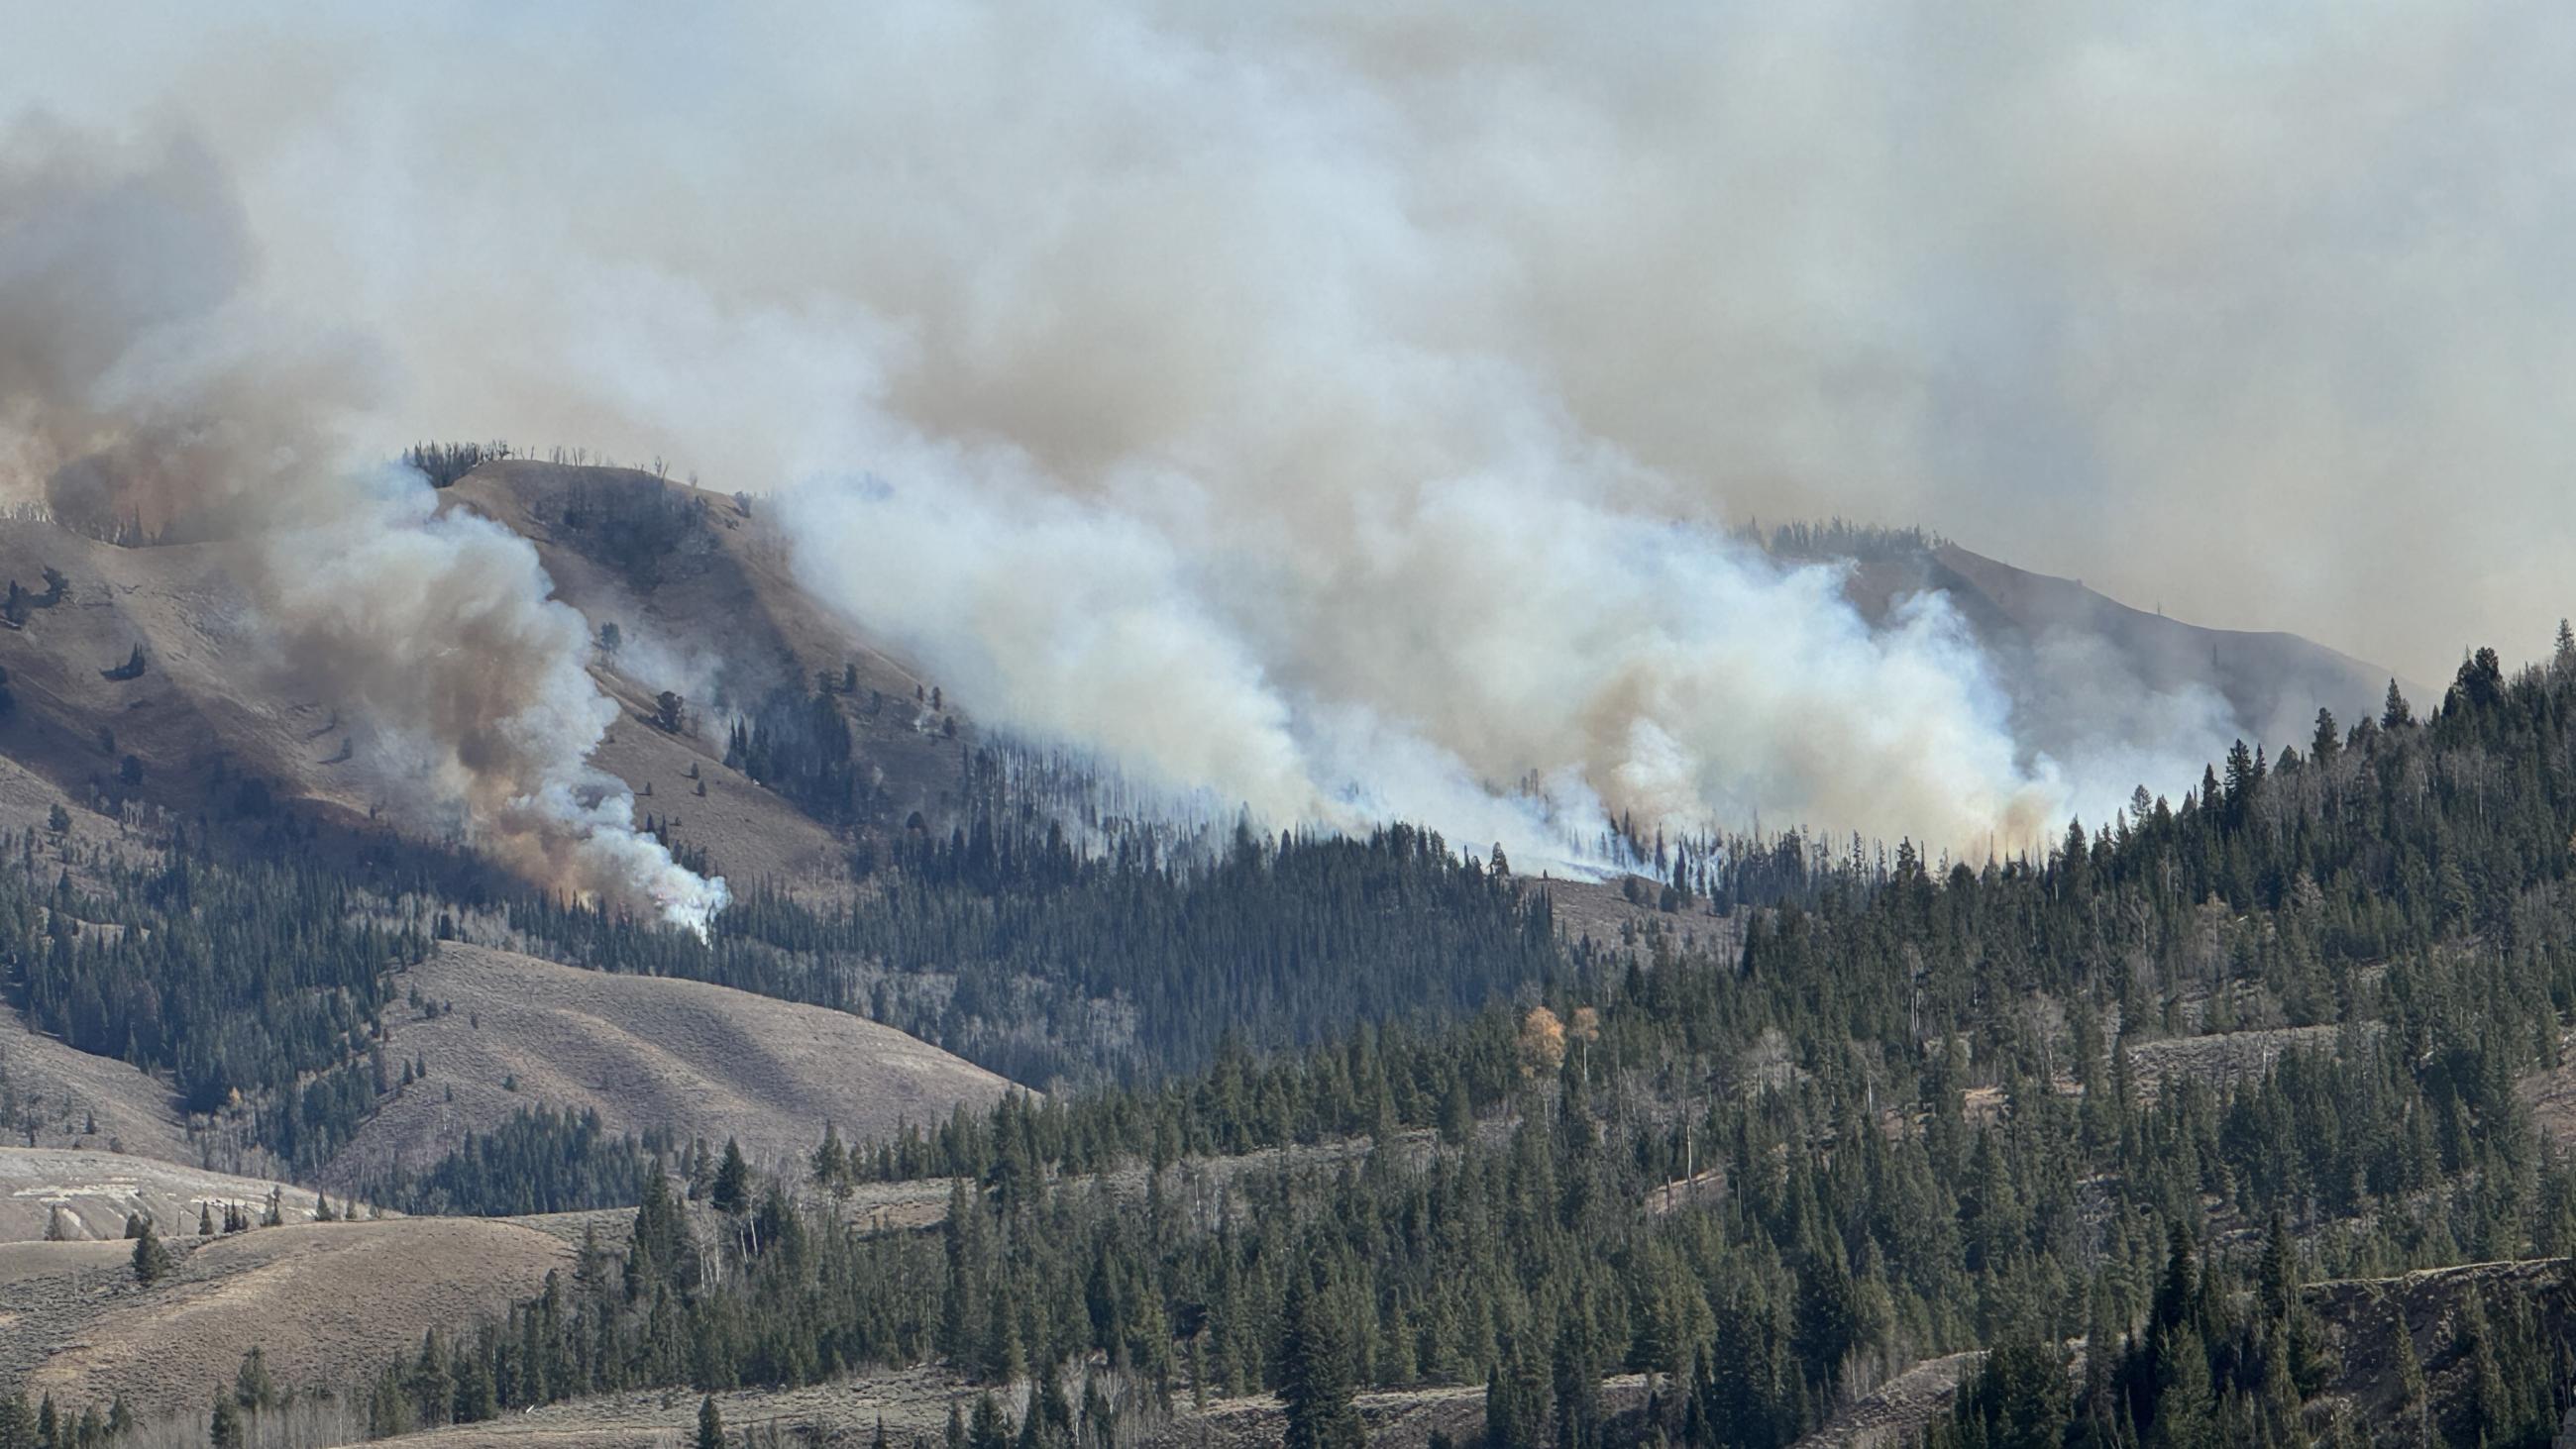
(142, 394)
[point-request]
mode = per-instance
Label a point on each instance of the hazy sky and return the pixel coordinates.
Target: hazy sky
(2264, 315)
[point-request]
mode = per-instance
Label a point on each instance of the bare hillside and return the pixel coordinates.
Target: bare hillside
(644, 1052)
(1602, 912)
(1896, 1411)
(87, 1194)
(210, 706)
(697, 586)
(2038, 625)
(64, 1097)
(701, 602)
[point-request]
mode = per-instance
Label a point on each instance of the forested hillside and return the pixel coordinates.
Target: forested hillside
(1332, 1114)
(1903, 1121)
(1007, 946)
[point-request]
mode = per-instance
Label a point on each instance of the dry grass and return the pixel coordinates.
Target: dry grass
(701, 1060)
(914, 1402)
(86, 1194)
(2224, 1059)
(132, 1112)
(911, 1402)
(211, 700)
(1600, 909)
(1897, 1410)
(328, 1302)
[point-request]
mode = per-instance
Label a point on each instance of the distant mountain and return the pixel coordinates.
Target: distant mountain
(2047, 635)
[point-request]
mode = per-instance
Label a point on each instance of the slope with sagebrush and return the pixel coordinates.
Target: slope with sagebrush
(209, 714)
(645, 1052)
(327, 1303)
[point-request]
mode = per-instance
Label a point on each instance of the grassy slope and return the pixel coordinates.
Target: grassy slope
(646, 1051)
(328, 1302)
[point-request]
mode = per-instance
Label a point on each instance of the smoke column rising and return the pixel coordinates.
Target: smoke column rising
(1508, 657)
(1338, 404)
(138, 382)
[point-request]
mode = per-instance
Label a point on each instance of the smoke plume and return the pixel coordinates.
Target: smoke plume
(143, 389)
(1341, 406)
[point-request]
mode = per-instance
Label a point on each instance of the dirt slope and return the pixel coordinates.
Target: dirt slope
(914, 1402)
(2361, 1316)
(645, 1052)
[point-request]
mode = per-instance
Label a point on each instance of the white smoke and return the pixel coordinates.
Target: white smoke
(140, 385)
(1339, 404)
(1509, 657)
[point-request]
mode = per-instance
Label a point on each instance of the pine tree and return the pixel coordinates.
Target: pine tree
(151, 1258)
(2278, 1276)
(831, 1162)
(2406, 1367)
(711, 1433)
(226, 1430)
(2186, 1403)
(1315, 1374)
(988, 1430)
(732, 1191)
(1457, 1120)
(2395, 713)
(1516, 1399)
(253, 1389)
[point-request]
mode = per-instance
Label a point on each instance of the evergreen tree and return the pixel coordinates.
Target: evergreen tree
(732, 1192)
(1315, 1373)
(988, 1429)
(2395, 713)
(226, 1430)
(831, 1162)
(253, 1389)
(151, 1258)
